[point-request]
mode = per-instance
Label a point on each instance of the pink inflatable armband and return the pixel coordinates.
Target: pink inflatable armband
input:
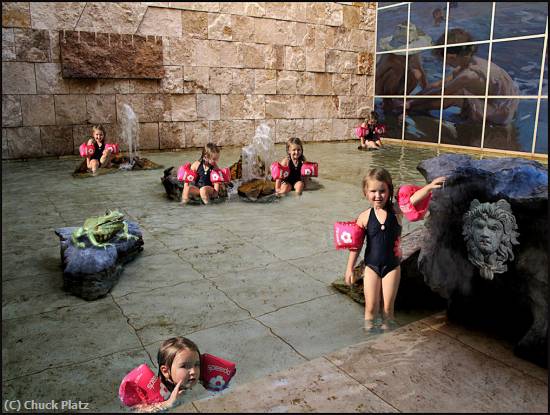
(360, 131)
(348, 235)
(216, 372)
(185, 174)
(141, 386)
(115, 148)
(86, 150)
(411, 212)
(380, 129)
(278, 171)
(220, 175)
(309, 169)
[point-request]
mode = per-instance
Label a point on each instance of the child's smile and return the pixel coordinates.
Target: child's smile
(377, 193)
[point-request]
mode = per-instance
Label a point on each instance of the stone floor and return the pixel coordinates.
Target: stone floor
(249, 282)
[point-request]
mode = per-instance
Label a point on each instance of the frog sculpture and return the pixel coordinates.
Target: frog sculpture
(101, 229)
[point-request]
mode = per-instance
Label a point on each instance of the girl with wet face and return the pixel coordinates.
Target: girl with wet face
(293, 160)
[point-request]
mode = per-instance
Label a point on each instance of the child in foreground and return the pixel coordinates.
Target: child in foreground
(382, 224)
(101, 156)
(203, 187)
(293, 160)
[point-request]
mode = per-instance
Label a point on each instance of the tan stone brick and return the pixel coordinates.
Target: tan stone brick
(299, 34)
(157, 107)
(134, 101)
(297, 106)
(334, 14)
(234, 132)
(323, 83)
(341, 61)
(368, 18)
(11, 111)
(321, 107)
(286, 82)
(271, 31)
(16, 14)
(171, 135)
(297, 11)
(306, 83)
(56, 15)
(149, 136)
(184, 107)
(365, 63)
(195, 79)
(277, 106)
(114, 86)
(161, 22)
(49, 79)
(295, 58)
(197, 133)
(8, 44)
(304, 129)
(352, 16)
(219, 27)
(83, 86)
(232, 7)
(253, 55)
(232, 107)
(230, 55)
(208, 107)
(201, 6)
(324, 37)
(343, 38)
(265, 81)
(18, 78)
(243, 28)
(254, 9)
(178, 51)
(362, 40)
(315, 12)
(104, 16)
(341, 129)
(286, 129)
(370, 85)
(195, 24)
(173, 80)
(243, 81)
(55, 53)
(57, 140)
(358, 85)
(277, 10)
(143, 86)
(347, 107)
(37, 110)
(341, 83)
(70, 109)
(254, 107)
(315, 59)
(364, 107)
(220, 80)
(207, 53)
(23, 142)
(275, 57)
(101, 109)
(322, 129)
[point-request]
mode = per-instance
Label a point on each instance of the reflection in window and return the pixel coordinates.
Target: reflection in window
(457, 125)
(516, 135)
(425, 70)
(474, 17)
(427, 19)
(392, 28)
(542, 129)
(519, 60)
(423, 125)
(545, 78)
(466, 69)
(390, 74)
(392, 120)
(519, 19)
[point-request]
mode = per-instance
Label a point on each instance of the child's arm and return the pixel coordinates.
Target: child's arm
(421, 194)
(161, 406)
(195, 165)
(284, 162)
(353, 254)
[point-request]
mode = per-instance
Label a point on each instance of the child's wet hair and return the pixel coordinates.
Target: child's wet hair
(170, 348)
(99, 127)
(209, 150)
(456, 35)
(382, 175)
(372, 116)
(297, 142)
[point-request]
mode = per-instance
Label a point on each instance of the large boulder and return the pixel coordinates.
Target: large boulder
(91, 272)
(487, 253)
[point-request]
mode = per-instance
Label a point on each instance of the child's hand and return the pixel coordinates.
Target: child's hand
(438, 182)
(348, 278)
(175, 393)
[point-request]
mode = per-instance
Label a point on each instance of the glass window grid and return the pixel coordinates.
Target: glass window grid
(486, 96)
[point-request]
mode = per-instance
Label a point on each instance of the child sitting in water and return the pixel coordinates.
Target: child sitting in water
(293, 160)
(382, 223)
(371, 139)
(203, 186)
(101, 156)
(179, 370)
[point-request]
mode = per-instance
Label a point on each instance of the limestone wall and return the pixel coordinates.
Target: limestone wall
(304, 68)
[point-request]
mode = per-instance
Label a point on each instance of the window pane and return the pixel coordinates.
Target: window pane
(427, 23)
(542, 129)
(424, 69)
(423, 125)
(472, 77)
(387, 3)
(545, 78)
(391, 119)
(390, 74)
(462, 121)
(475, 18)
(519, 19)
(517, 135)
(518, 61)
(392, 28)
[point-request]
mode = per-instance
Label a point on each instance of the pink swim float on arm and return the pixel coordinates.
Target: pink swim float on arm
(142, 386)
(86, 150)
(348, 235)
(309, 169)
(278, 171)
(216, 372)
(115, 148)
(380, 129)
(220, 175)
(360, 131)
(411, 212)
(185, 174)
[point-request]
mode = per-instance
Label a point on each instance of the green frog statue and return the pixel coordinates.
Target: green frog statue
(100, 229)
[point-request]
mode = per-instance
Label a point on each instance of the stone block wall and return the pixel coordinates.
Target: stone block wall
(304, 68)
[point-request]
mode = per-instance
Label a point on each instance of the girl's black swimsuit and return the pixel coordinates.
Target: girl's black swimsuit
(203, 178)
(382, 251)
(295, 172)
(98, 151)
